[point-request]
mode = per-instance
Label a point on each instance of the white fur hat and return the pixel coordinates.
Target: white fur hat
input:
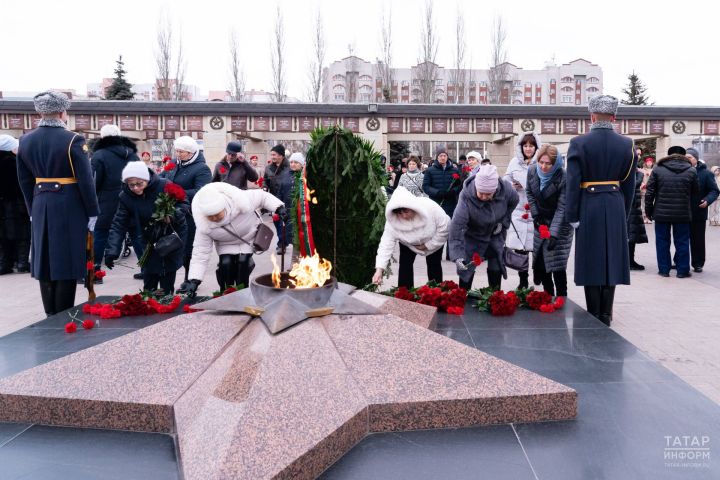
(210, 199)
(109, 131)
(298, 157)
(136, 170)
(476, 155)
(186, 143)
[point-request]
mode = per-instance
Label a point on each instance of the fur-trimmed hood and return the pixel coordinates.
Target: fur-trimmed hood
(675, 163)
(402, 198)
(112, 141)
(236, 201)
(518, 147)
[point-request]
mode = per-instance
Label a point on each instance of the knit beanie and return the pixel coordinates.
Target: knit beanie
(109, 131)
(209, 200)
(298, 157)
(279, 149)
(440, 149)
(186, 143)
(692, 151)
(676, 150)
(136, 170)
(486, 179)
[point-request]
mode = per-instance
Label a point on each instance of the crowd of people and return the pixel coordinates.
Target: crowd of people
(600, 195)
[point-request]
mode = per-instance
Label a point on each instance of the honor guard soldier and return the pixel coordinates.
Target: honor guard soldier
(600, 188)
(57, 183)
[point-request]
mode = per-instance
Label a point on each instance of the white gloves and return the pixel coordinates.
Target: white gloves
(498, 229)
(460, 263)
(91, 223)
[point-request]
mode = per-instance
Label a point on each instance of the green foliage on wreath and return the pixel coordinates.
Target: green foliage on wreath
(349, 216)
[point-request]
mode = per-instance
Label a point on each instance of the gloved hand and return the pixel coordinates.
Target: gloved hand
(575, 225)
(283, 213)
(498, 229)
(460, 263)
(552, 243)
(110, 261)
(190, 288)
(91, 223)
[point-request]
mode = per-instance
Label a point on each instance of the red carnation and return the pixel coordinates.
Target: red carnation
(525, 216)
(559, 302)
(223, 170)
(260, 182)
(175, 191)
(88, 324)
(456, 176)
(169, 166)
(189, 309)
(477, 259)
(276, 217)
(455, 310)
(544, 231)
(100, 274)
(70, 327)
(90, 266)
(527, 206)
(229, 290)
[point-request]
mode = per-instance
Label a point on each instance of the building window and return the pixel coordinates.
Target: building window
(438, 82)
(364, 97)
(593, 80)
(339, 96)
(338, 78)
(404, 83)
(517, 92)
(517, 83)
(567, 79)
(483, 84)
(567, 99)
(339, 89)
(567, 89)
(593, 89)
(365, 78)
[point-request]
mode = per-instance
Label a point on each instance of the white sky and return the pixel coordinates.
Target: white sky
(673, 47)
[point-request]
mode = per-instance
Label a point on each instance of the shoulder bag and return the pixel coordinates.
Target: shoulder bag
(512, 259)
(262, 239)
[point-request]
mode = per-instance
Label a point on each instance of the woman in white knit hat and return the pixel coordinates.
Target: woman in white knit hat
(227, 218)
(141, 188)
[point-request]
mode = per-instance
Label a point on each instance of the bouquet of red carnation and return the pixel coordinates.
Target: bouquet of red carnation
(164, 211)
(446, 296)
(169, 166)
(503, 304)
(536, 299)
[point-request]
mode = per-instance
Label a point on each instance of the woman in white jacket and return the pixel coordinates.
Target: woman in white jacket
(227, 218)
(520, 234)
(421, 227)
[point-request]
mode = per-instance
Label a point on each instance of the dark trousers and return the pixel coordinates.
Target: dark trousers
(681, 240)
(100, 238)
(234, 270)
(167, 282)
(546, 278)
(697, 244)
(287, 239)
(407, 259)
(57, 295)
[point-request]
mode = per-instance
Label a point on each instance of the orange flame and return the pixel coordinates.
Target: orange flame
(275, 272)
(310, 272)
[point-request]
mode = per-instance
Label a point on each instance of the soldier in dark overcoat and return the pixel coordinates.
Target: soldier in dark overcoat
(600, 187)
(59, 191)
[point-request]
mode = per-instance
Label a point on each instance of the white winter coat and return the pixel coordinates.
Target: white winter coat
(430, 227)
(517, 170)
(240, 218)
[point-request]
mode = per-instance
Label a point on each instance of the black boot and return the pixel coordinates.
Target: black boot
(633, 264)
(524, 276)
(23, 255)
(466, 285)
(560, 283)
(64, 294)
(494, 279)
(547, 283)
(606, 304)
(593, 295)
(47, 292)
(6, 257)
(228, 271)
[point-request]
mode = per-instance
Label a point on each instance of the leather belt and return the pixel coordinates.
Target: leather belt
(592, 184)
(62, 181)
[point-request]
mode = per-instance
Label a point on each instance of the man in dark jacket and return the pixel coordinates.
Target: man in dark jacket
(706, 195)
(110, 155)
(233, 169)
(279, 181)
(671, 186)
(600, 187)
(442, 181)
(56, 181)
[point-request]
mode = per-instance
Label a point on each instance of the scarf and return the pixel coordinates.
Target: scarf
(546, 177)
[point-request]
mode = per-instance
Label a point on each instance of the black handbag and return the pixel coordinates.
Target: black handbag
(168, 244)
(519, 261)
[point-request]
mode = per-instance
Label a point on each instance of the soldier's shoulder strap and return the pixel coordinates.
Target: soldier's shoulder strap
(632, 160)
(72, 168)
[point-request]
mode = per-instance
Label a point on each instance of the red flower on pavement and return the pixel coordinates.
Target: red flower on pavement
(169, 166)
(175, 191)
(455, 310)
(547, 308)
(527, 206)
(223, 170)
(100, 274)
(536, 299)
(90, 266)
(88, 324)
(544, 231)
(525, 216)
(502, 304)
(229, 290)
(70, 327)
(559, 302)
(189, 309)
(477, 259)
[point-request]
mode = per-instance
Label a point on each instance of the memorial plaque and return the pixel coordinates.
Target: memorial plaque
(636, 127)
(186, 133)
(306, 124)
(548, 125)
(82, 122)
(103, 120)
(150, 122)
(238, 124)
(169, 135)
(483, 125)
(571, 126)
(395, 125)
(261, 124)
(505, 125)
(35, 121)
(328, 122)
(283, 124)
(461, 125)
(16, 121)
(194, 123)
(657, 126)
(151, 134)
(352, 124)
(417, 125)
(126, 122)
(439, 125)
(172, 122)
(710, 127)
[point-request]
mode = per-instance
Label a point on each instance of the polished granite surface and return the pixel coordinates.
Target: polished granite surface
(629, 406)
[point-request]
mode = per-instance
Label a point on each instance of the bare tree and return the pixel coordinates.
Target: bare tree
(180, 69)
(498, 60)
(384, 63)
(278, 59)
(459, 73)
(237, 75)
(318, 59)
(427, 68)
(351, 75)
(163, 57)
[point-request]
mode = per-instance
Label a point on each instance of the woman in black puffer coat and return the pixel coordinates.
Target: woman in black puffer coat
(14, 217)
(110, 155)
(636, 222)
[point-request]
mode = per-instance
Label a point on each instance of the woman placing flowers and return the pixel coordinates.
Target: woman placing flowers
(156, 207)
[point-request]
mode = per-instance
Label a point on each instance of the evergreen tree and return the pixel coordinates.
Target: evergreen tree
(349, 216)
(120, 89)
(635, 92)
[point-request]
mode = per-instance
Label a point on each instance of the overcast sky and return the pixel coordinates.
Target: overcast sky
(673, 47)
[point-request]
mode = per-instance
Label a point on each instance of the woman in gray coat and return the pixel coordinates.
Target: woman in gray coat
(546, 196)
(479, 225)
